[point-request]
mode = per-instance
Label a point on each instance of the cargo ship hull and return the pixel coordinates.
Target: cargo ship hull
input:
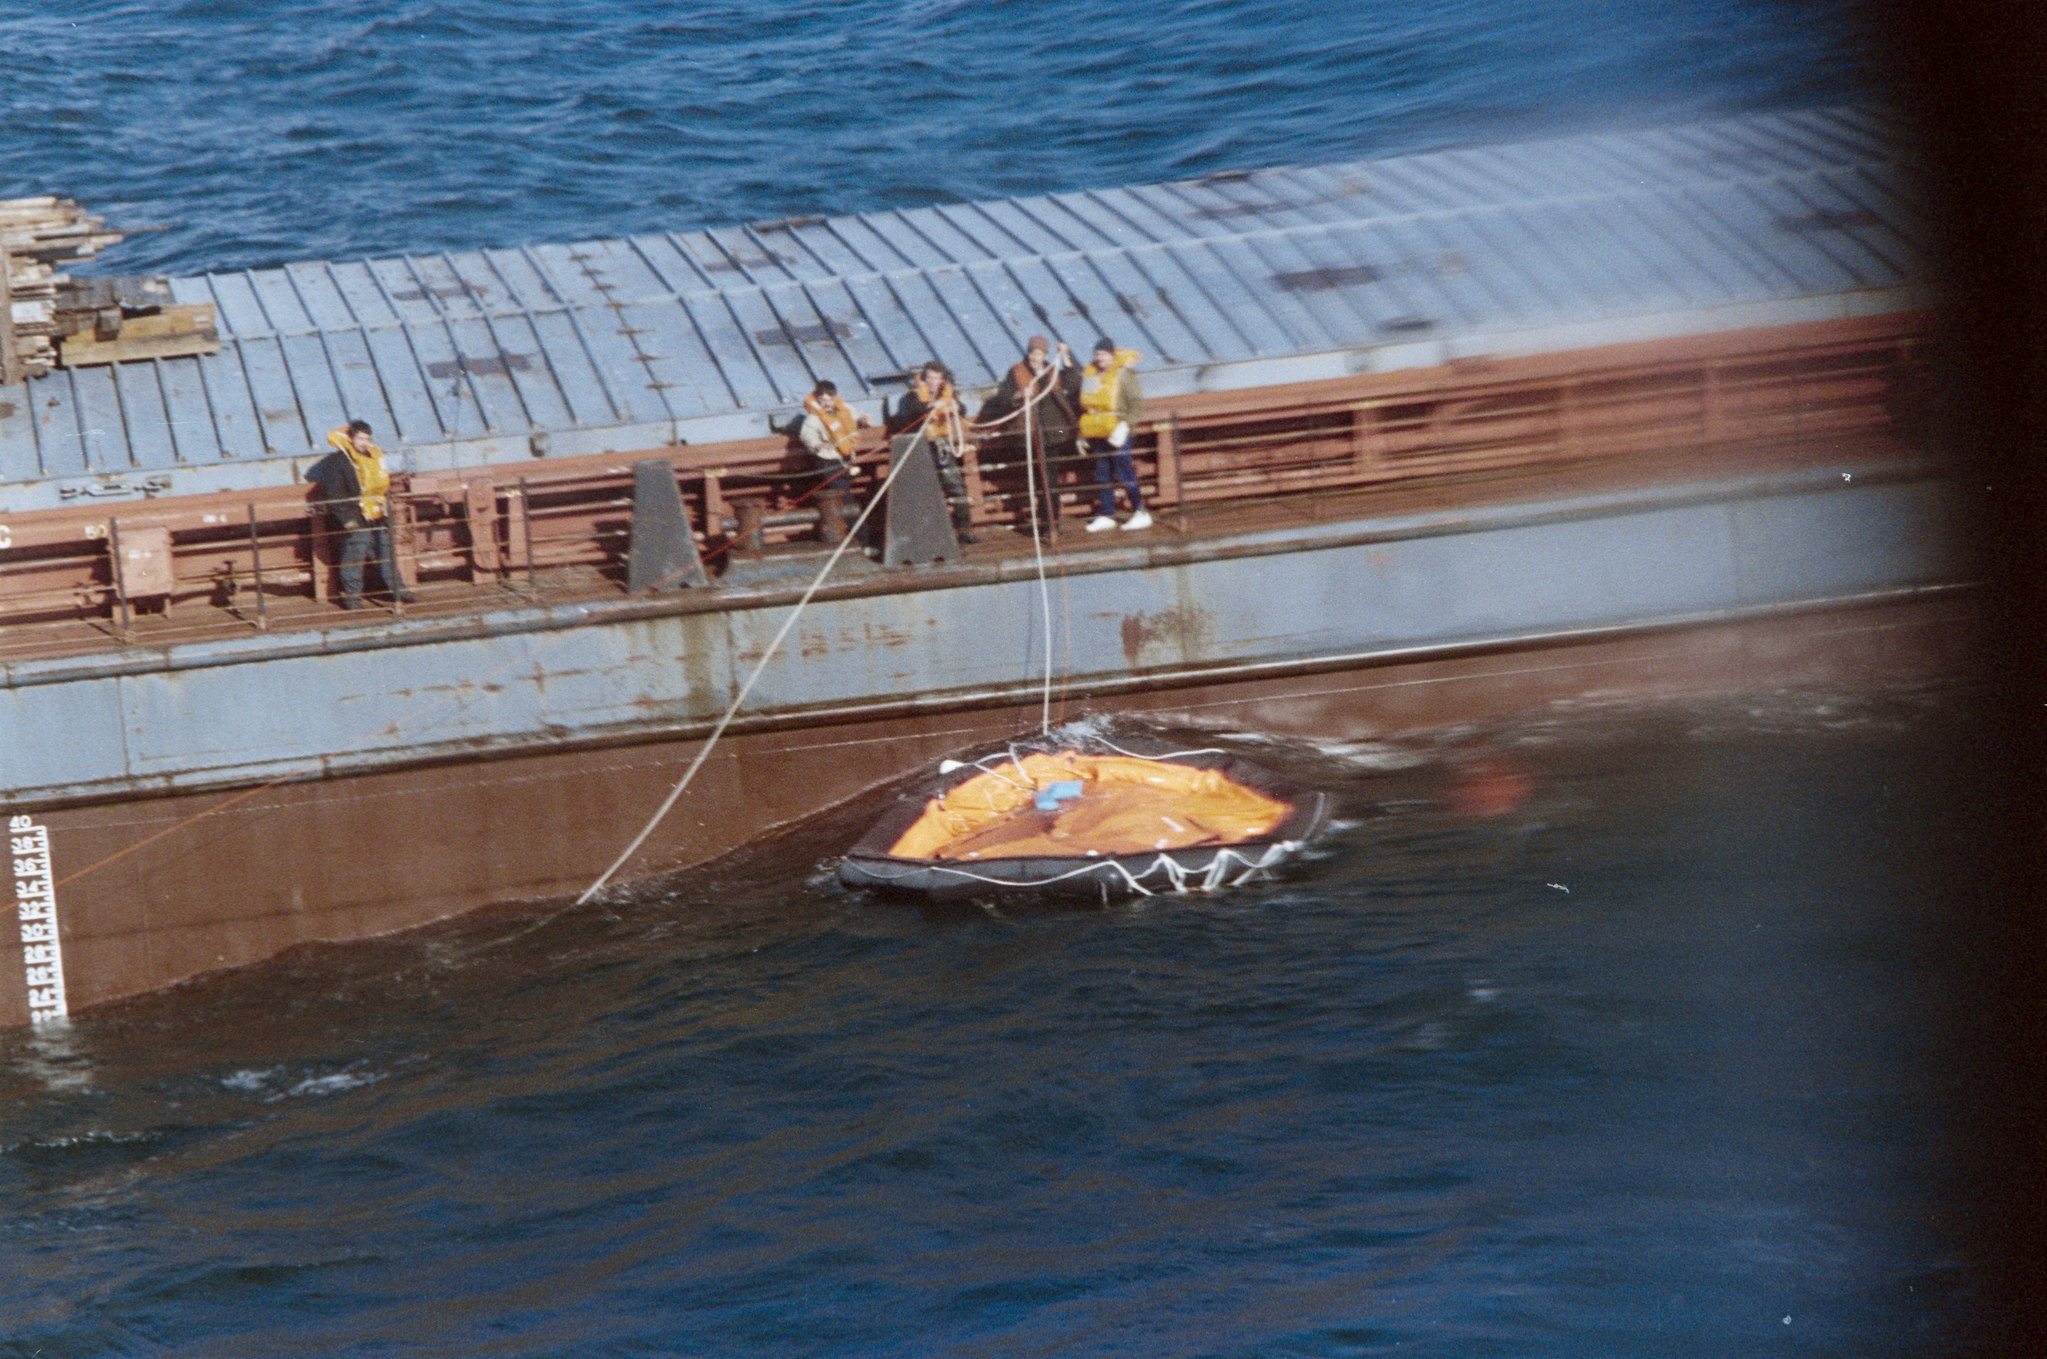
(439, 766)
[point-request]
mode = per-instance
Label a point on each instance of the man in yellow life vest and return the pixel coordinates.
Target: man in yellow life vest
(1110, 403)
(355, 488)
(828, 426)
(932, 407)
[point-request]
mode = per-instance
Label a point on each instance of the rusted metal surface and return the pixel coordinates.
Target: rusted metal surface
(381, 852)
(244, 708)
(1783, 391)
(1268, 277)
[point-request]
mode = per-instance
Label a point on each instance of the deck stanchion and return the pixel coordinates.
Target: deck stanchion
(1169, 469)
(114, 566)
(392, 525)
(526, 525)
(1047, 486)
(10, 360)
(256, 553)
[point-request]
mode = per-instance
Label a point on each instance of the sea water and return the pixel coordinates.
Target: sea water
(254, 132)
(1646, 1047)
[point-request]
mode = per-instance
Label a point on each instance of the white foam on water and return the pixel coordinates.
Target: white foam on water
(334, 1084)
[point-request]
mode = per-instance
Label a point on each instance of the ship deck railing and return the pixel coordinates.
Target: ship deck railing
(153, 572)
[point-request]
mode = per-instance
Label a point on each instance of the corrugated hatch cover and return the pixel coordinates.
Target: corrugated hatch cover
(1230, 281)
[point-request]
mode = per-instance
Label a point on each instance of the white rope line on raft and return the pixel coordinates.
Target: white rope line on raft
(1212, 877)
(732, 709)
(1024, 782)
(1168, 755)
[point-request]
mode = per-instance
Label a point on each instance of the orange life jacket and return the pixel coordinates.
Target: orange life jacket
(941, 400)
(839, 422)
(942, 409)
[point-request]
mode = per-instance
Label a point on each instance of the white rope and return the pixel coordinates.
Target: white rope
(852, 536)
(1038, 550)
(1176, 876)
(1169, 755)
(1039, 388)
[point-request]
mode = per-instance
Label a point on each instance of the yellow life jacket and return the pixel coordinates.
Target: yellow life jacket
(371, 476)
(839, 422)
(1099, 393)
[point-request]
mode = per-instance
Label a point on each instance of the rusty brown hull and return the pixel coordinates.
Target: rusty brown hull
(232, 882)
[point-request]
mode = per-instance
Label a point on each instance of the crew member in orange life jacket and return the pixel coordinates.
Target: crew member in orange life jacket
(1052, 379)
(1110, 403)
(828, 426)
(933, 406)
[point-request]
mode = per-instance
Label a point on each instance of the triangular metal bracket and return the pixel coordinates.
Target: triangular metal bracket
(663, 554)
(919, 521)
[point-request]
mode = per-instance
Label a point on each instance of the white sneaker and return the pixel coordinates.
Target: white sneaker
(1140, 520)
(1100, 522)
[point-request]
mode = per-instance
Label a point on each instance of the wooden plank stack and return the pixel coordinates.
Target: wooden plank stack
(50, 320)
(121, 333)
(38, 236)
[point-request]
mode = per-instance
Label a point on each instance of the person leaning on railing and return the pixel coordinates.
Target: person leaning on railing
(355, 491)
(828, 427)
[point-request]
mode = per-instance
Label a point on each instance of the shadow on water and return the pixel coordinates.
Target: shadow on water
(1639, 1047)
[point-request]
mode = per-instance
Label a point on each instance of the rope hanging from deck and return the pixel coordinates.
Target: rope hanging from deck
(1034, 395)
(760, 667)
(955, 430)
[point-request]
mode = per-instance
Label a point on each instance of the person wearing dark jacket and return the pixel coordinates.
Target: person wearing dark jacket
(1051, 383)
(355, 489)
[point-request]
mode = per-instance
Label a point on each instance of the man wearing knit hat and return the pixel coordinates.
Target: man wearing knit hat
(1048, 379)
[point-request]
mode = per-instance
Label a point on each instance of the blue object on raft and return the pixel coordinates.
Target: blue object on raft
(1052, 794)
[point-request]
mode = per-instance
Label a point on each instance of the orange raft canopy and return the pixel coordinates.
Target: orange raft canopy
(1070, 803)
(1074, 819)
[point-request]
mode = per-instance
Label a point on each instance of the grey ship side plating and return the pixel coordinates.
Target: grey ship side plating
(207, 801)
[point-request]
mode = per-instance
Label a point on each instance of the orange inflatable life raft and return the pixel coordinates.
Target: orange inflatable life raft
(1078, 822)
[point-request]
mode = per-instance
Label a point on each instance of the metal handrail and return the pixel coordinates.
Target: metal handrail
(514, 525)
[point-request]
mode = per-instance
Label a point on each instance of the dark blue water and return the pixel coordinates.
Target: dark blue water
(1659, 1063)
(260, 132)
